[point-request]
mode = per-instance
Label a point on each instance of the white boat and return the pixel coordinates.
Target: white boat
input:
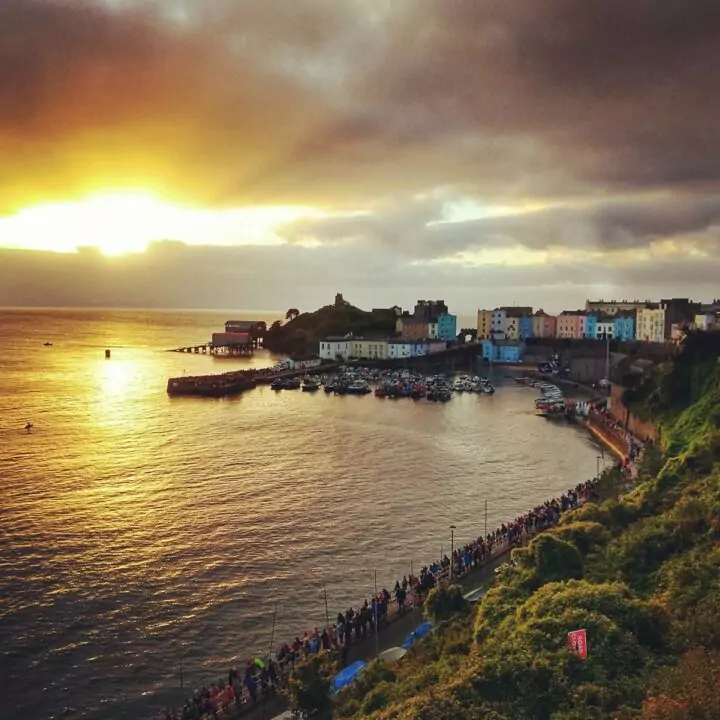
(359, 387)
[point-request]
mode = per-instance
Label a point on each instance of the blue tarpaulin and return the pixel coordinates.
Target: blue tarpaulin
(347, 675)
(419, 632)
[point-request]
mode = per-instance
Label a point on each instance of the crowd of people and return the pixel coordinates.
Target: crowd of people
(261, 678)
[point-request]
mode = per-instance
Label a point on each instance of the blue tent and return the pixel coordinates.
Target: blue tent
(419, 632)
(347, 675)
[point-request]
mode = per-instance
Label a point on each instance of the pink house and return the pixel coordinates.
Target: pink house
(572, 324)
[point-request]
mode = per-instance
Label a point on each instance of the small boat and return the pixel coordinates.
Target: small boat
(329, 387)
(359, 387)
(310, 384)
(292, 384)
(277, 384)
(29, 426)
(47, 344)
(381, 391)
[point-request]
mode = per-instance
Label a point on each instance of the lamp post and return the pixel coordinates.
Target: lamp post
(597, 465)
(452, 549)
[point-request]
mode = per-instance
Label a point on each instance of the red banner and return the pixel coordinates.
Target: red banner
(578, 643)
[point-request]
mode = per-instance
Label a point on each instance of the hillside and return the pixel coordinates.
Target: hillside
(641, 575)
(300, 335)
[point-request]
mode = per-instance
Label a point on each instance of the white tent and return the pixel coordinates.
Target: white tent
(392, 654)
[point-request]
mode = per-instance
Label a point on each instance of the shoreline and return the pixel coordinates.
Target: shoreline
(397, 626)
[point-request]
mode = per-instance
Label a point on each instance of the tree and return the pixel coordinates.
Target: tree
(444, 601)
(292, 313)
(310, 687)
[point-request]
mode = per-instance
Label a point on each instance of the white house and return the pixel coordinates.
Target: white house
(334, 348)
(300, 363)
(399, 349)
(604, 329)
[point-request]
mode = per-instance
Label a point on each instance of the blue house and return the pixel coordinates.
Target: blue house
(624, 327)
(591, 326)
(447, 327)
(525, 327)
(503, 351)
(418, 348)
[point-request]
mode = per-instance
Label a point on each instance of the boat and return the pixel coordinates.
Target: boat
(277, 384)
(292, 384)
(381, 391)
(47, 344)
(310, 384)
(359, 387)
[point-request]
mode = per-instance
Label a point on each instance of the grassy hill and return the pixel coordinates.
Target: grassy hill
(300, 336)
(641, 575)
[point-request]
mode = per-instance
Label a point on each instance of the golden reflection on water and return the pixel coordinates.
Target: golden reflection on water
(115, 377)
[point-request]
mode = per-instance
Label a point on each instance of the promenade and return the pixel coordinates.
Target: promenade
(260, 694)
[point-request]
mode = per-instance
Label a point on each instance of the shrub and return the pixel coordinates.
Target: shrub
(551, 559)
(585, 536)
(445, 601)
(310, 687)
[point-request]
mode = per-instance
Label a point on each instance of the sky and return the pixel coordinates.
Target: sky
(266, 153)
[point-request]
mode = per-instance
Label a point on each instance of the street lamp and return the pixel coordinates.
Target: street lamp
(452, 549)
(598, 458)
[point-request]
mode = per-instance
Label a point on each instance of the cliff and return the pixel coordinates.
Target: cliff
(641, 575)
(300, 336)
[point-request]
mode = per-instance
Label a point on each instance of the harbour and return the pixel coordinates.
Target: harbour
(160, 556)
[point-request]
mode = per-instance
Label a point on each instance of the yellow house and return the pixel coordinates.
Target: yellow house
(484, 324)
(651, 324)
(369, 349)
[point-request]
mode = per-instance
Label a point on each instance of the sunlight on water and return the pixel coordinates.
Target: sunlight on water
(136, 527)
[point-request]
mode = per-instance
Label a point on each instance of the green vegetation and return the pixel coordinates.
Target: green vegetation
(444, 602)
(641, 574)
(302, 331)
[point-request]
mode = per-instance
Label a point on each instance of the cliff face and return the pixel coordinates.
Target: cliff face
(643, 429)
(641, 575)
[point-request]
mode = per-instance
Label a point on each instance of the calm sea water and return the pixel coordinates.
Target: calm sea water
(136, 530)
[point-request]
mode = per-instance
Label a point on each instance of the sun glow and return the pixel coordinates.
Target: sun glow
(122, 223)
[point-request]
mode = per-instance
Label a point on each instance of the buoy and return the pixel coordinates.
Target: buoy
(107, 354)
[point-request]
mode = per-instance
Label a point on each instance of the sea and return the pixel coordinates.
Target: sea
(144, 538)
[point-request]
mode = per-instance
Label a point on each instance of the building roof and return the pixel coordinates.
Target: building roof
(243, 325)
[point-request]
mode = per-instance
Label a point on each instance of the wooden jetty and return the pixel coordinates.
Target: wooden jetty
(227, 344)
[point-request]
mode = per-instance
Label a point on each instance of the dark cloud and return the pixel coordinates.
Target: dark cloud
(415, 229)
(177, 276)
(247, 101)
